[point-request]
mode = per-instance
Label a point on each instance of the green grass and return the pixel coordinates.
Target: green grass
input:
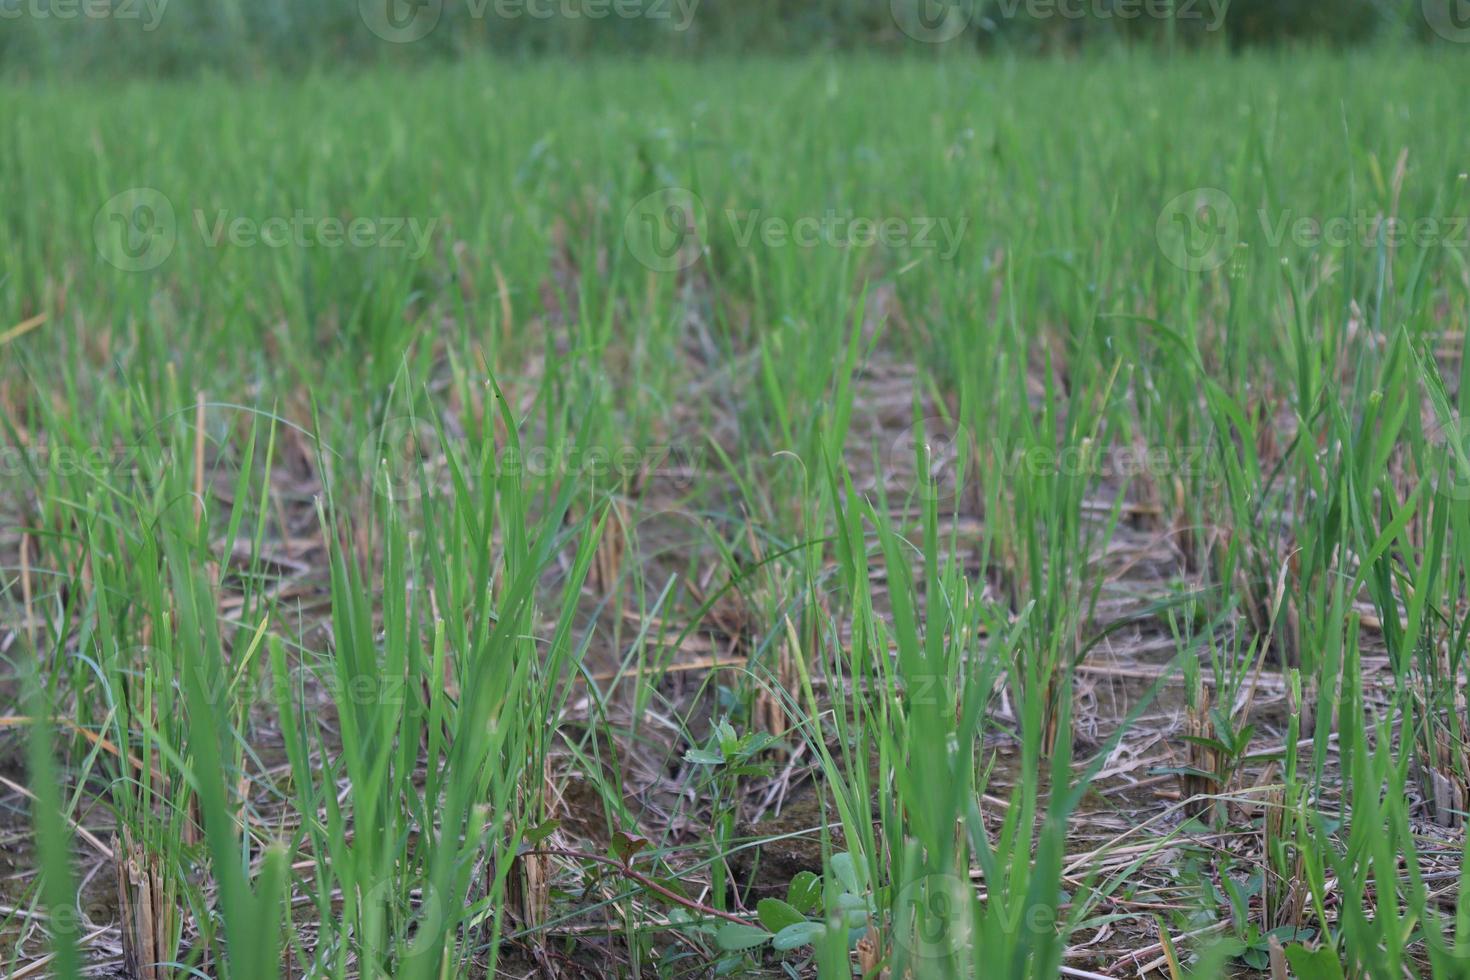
(466, 595)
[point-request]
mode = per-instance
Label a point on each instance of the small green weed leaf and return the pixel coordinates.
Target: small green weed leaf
(804, 892)
(803, 933)
(733, 937)
(537, 835)
(625, 845)
(1314, 964)
(776, 915)
(845, 871)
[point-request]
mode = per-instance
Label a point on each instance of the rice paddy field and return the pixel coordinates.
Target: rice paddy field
(810, 516)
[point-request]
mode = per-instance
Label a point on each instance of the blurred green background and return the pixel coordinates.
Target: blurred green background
(171, 37)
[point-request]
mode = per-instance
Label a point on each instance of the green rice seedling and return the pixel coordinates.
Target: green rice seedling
(128, 693)
(1375, 930)
(416, 880)
(54, 839)
(250, 900)
(1414, 572)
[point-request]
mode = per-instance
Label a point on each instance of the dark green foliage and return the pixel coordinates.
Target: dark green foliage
(162, 38)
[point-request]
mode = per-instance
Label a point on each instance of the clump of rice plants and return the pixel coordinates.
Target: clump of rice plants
(823, 516)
